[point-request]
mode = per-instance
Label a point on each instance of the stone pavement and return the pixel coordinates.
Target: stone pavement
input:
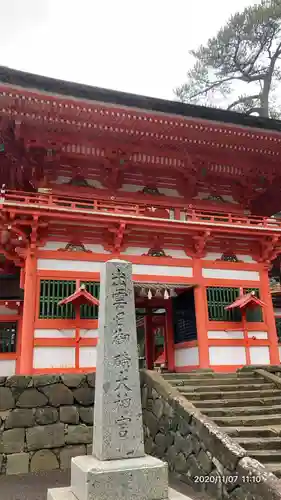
(34, 486)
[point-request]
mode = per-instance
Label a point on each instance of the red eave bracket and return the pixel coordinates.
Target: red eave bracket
(81, 296)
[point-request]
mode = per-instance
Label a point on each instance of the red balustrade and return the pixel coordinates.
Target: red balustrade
(17, 199)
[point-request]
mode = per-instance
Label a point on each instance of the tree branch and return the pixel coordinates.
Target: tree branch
(243, 100)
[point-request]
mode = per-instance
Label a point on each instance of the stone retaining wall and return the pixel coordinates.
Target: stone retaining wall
(45, 420)
(197, 450)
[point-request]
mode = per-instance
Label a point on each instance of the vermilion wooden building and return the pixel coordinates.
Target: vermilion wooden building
(185, 193)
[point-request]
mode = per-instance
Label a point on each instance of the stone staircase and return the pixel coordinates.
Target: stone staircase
(243, 404)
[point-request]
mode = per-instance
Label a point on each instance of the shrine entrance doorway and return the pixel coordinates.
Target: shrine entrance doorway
(152, 332)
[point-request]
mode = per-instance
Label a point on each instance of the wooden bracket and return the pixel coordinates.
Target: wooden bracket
(118, 233)
(196, 246)
(270, 248)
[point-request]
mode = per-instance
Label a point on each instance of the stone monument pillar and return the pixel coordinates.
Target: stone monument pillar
(118, 468)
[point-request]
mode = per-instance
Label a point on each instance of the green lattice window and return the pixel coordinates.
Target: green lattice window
(53, 291)
(220, 297)
(278, 328)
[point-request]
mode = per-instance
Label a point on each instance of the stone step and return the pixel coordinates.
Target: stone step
(241, 411)
(258, 443)
(274, 468)
(225, 388)
(254, 431)
(198, 375)
(266, 455)
(248, 420)
(241, 402)
(211, 381)
(196, 396)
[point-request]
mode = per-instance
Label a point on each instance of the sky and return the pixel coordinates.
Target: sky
(133, 46)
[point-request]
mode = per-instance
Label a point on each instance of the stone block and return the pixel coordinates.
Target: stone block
(205, 461)
(84, 396)
(151, 422)
(58, 394)
(73, 380)
(79, 434)
(7, 400)
(42, 380)
(70, 452)
(91, 379)
(66, 494)
(31, 398)
(17, 463)
(2, 380)
(69, 415)
(43, 460)
(13, 441)
(86, 415)
(89, 449)
(139, 478)
(158, 408)
(18, 381)
(47, 415)
(45, 436)
(20, 418)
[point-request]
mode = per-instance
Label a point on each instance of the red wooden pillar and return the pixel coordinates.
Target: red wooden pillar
(25, 364)
(169, 337)
(149, 341)
(269, 317)
(201, 312)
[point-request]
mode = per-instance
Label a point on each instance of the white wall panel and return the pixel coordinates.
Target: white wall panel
(54, 357)
(217, 255)
(53, 333)
(69, 265)
(223, 334)
(187, 357)
(166, 271)
(231, 274)
(227, 355)
(87, 357)
(258, 335)
(259, 355)
(7, 367)
(90, 334)
(55, 245)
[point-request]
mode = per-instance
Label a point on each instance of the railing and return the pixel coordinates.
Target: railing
(141, 209)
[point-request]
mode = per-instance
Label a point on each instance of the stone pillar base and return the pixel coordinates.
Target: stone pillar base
(144, 478)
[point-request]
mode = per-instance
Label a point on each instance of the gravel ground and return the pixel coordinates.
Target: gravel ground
(34, 486)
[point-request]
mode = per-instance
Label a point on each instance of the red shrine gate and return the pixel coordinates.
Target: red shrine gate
(184, 193)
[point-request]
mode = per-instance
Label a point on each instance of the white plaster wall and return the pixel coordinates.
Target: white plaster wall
(231, 274)
(61, 179)
(259, 355)
(55, 245)
(227, 355)
(52, 333)
(54, 357)
(187, 357)
(6, 311)
(168, 271)
(177, 254)
(89, 266)
(133, 188)
(217, 255)
(69, 265)
(89, 334)
(224, 334)
(258, 335)
(87, 357)
(7, 367)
